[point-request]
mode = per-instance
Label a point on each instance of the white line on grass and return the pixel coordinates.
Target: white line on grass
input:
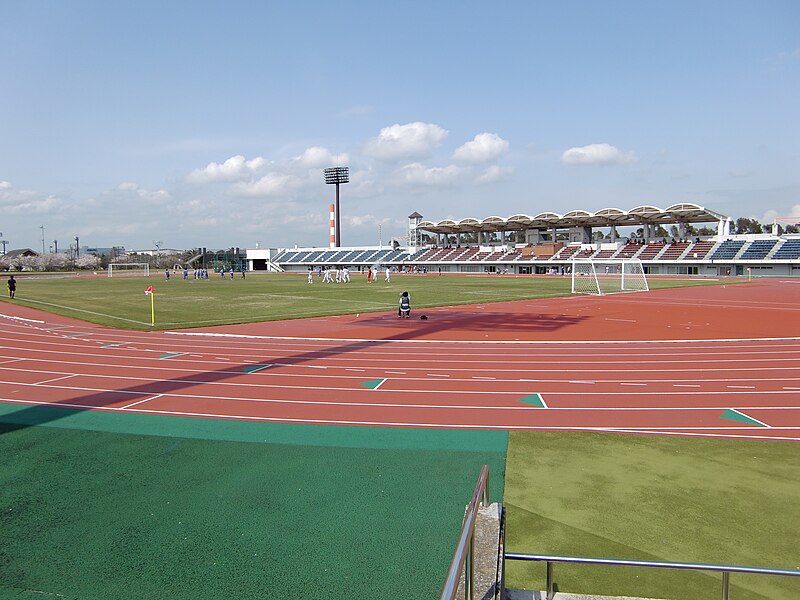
(88, 312)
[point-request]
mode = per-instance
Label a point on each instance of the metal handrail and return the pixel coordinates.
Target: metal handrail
(463, 555)
(725, 569)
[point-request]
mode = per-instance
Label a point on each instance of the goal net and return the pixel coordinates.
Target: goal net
(128, 269)
(607, 276)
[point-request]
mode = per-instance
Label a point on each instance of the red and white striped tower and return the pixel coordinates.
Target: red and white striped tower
(333, 227)
(336, 176)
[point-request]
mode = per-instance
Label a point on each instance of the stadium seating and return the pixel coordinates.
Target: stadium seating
(651, 250)
(629, 250)
(699, 250)
(674, 251)
(758, 249)
(790, 250)
(727, 250)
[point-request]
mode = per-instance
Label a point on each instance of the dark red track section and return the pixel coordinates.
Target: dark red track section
(711, 361)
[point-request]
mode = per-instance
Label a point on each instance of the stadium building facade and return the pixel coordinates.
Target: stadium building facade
(548, 242)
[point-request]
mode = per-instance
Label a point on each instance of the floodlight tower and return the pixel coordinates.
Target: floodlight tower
(336, 176)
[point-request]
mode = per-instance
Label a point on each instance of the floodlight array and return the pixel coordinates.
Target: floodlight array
(336, 175)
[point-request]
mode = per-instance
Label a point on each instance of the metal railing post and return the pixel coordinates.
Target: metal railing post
(464, 555)
(726, 570)
(468, 570)
(725, 581)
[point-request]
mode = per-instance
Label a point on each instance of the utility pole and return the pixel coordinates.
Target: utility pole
(157, 244)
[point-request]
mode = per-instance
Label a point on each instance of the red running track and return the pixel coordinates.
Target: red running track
(710, 361)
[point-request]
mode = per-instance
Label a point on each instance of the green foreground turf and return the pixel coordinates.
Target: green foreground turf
(194, 508)
(653, 498)
(121, 302)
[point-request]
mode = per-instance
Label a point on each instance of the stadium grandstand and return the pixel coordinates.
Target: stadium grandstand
(548, 242)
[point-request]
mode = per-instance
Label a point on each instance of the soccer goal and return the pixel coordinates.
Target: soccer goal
(128, 269)
(608, 276)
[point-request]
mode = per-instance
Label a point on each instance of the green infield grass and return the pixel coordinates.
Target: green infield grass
(121, 301)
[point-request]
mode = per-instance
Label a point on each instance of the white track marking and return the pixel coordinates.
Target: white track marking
(141, 401)
(656, 430)
(48, 381)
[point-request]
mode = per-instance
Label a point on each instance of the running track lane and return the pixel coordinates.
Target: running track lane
(733, 388)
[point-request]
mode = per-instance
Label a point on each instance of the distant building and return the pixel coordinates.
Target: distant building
(23, 252)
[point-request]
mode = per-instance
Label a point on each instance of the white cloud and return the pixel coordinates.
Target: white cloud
(417, 174)
(129, 188)
(770, 216)
(236, 168)
(597, 154)
(494, 173)
(271, 184)
(365, 221)
(412, 140)
(483, 148)
(26, 202)
(319, 157)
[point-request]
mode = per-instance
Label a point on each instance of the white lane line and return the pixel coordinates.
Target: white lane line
(658, 430)
(20, 319)
(639, 384)
(686, 385)
(559, 392)
(281, 401)
(46, 381)
(478, 342)
(142, 401)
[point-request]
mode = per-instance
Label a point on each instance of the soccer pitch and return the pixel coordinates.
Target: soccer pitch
(177, 303)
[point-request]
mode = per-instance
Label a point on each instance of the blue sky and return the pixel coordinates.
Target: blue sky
(209, 123)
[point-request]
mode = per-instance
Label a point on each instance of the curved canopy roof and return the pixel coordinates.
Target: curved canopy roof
(683, 212)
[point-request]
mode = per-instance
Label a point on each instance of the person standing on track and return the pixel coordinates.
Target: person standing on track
(12, 287)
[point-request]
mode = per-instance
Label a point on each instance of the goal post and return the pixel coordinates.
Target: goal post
(128, 269)
(608, 276)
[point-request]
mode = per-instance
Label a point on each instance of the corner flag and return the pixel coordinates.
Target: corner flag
(150, 292)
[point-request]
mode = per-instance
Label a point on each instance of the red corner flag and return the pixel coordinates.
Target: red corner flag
(149, 290)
